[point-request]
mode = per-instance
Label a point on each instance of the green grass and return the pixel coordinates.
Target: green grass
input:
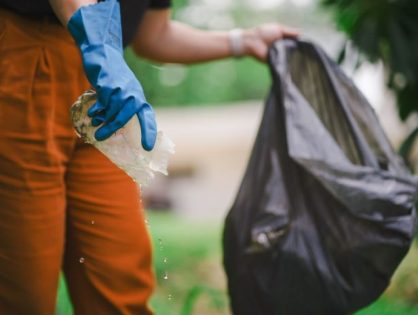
(386, 306)
(193, 253)
(189, 252)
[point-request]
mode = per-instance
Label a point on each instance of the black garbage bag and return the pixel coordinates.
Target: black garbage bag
(325, 212)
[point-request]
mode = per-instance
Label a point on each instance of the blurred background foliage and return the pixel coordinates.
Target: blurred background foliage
(202, 84)
(387, 31)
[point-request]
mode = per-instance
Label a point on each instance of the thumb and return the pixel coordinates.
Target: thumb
(261, 52)
(148, 125)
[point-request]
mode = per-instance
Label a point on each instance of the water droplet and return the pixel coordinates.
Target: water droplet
(399, 80)
(81, 260)
(170, 297)
(165, 260)
(92, 222)
(165, 277)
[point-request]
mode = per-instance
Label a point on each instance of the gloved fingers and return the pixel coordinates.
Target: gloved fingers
(115, 100)
(95, 109)
(129, 99)
(107, 107)
(121, 100)
(148, 125)
(118, 122)
(98, 119)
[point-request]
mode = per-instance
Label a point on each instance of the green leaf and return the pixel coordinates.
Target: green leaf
(367, 38)
(388, 31)
(408, 144)
(341, 55)
(407, 99)
(349, 19)
(400, 50)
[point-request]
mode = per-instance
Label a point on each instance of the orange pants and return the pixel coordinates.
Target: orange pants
(63, 205)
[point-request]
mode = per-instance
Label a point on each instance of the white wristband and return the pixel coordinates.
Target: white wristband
(236, 42)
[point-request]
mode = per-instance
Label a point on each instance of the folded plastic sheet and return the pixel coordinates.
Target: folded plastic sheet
(325, 212)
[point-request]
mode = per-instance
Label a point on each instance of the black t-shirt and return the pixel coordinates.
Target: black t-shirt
(132, 11)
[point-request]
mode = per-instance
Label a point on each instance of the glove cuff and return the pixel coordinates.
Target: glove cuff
(97, 24)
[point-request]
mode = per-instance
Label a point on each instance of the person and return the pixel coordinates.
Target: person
(63, 205)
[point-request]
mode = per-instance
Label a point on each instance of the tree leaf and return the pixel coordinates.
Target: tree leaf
(341, 54)
(407, 99)
(408, 144)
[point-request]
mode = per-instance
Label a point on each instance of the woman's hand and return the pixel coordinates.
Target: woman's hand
(257, 40)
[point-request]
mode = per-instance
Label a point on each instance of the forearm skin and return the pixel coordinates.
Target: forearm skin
(64, 9)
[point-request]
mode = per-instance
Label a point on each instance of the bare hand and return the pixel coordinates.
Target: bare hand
(258, 39)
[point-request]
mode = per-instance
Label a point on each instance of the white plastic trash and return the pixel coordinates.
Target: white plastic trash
(124, 147)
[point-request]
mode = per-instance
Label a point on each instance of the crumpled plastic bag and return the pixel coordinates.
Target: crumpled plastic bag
(325, 212)
(124, 147)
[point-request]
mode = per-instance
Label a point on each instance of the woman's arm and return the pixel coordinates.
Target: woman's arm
(64, 9)
(160, 39)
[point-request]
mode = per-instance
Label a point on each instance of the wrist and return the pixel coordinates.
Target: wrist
(242, 42)
(236, 42)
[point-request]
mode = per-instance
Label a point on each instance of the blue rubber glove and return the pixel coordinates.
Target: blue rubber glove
(98, 33)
